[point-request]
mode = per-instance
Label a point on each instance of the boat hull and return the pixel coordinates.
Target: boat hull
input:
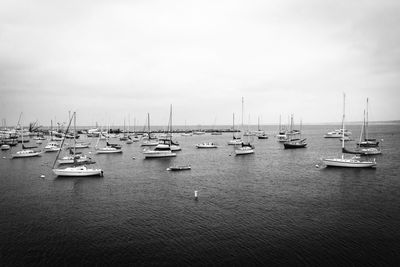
(158, 154)
(77, 172)
(348, 163)
(239, 152)
(363, 151)
(26, 155)
(294, 146)
(109, 151)
(179, 168)
(235, 142)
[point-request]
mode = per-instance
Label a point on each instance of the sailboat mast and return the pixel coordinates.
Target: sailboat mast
(242, 110)
(362, 130)
(74, 133)
(291, 122)
(129, 122)
(301, 126)
(124, 128)
(366, 125)
(280, 123)
(344, 104)
(233, 124)
(170, 122)
(148, 124)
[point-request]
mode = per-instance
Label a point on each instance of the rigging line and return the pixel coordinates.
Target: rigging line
(59, 151)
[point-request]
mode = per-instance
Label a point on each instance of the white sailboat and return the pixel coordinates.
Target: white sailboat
(150, 141)
(25, 153)
(163, 148)
(260, 133)
(75, 171)
(282, 134)
(109, 148)
(353, 162)
(235, 140)
(246, 148)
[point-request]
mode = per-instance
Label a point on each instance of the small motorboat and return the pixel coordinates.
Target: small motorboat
(295, 143)
(26, 153)
(52, 147)
(179, 168)
(207, 145)
(5, 147)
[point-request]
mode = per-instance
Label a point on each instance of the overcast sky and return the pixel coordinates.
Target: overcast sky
(108, 59)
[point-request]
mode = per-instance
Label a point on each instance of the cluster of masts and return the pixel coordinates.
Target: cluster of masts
(163, 146)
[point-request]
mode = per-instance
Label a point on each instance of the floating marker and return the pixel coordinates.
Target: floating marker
(133, 158)
(42, 176)
(316, 166)
(90, 152)
(195, 195)
(4, 157)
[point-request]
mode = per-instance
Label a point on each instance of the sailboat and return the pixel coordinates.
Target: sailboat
(355, 161)
(151, 141)
(25, 153)
(129, 139)
(246, 148)
(295, 142)
(124, 137)
(282, 136)
(76, 170)
(367, 142)
(187, 132)
(235, 140)
(214, 130)
(363, 150)
(109, 148)
(260, 133)
(163, 148)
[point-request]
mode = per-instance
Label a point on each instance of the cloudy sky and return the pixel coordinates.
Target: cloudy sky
(108, 59)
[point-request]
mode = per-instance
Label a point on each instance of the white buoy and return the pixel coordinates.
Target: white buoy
(90, 152)
(195, 195)
(133, 158)
(42, 176)
(4, 157)
(316, 166)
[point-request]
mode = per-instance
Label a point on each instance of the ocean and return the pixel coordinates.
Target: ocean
(273, 208)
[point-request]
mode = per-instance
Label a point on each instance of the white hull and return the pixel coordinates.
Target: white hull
(235, 142)
(53, 149)
(108, 151)
(158, 154)
(25, 154)
(244, 151)
(348, 163)
(206, 145)
(175, 148)
(78, 172)
(70, 160)
(147, 143)
(80, 146)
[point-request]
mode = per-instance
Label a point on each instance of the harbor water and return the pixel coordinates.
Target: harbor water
(276, 207)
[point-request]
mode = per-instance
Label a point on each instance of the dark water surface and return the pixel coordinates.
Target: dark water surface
(271, 208)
